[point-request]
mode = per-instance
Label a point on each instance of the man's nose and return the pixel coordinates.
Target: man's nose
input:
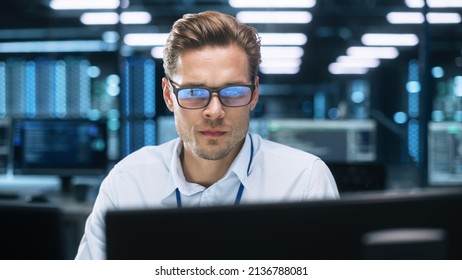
(214, 109)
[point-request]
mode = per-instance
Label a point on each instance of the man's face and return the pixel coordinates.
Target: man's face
(215, 131)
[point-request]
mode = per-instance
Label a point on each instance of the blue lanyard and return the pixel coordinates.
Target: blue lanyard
(237, 201)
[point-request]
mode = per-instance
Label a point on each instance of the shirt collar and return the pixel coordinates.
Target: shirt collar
(177, 175)
(243, 161)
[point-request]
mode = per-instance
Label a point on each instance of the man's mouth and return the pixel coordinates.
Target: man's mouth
(213, 133)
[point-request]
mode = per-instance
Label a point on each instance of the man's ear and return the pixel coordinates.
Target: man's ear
(255, 96)
(167, 93)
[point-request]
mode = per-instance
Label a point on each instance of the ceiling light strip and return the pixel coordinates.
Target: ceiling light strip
(389, 39)
(443, 18)
(269, 52)
(358, 61)
(57, 46)
(145, 39)
(280, 70)
(99, 18)
(339, 69)
(281, 62)
(140, 17)
(110, 18)
(83, 4)
(373, 52)
(272, 3)
(418, 18)
(296, 17)
(434, 3)
(267, 39)
(283, 39)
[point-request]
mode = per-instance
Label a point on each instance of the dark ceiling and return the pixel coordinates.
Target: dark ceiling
(336, 25)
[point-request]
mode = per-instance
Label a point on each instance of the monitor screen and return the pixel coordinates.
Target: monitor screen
(445, 153)
(333, 141)
(63, 147)
(325, 229)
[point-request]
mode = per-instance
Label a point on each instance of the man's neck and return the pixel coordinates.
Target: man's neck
(205, 172)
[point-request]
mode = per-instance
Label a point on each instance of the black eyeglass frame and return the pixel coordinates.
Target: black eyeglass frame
(211, 91)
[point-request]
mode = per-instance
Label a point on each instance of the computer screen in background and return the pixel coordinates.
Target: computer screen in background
(333, 141)
(348, 147)
(445, 153)
(62, 147)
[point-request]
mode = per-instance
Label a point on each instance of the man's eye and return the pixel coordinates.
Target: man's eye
(199, 93)
(193, 93)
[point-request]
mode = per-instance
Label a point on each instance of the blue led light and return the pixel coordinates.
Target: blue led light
(113, 114)
(413, 86)
(438, 116)
(358, 96)
(333, 113)
(149, 132)
(127, 89)
(437, 72)
(113, 124)
(413, 104)
(127, 149)
(458, 116)
(113, 79)
(149, 89)
(400, 117)
(30, 89)
(93, 71)
(413, 74)
(319, 105)
(85, 88)
(2, 90)
(112, 85)
(94, 114)
(60, 108)
(458, 86)
(413, 140)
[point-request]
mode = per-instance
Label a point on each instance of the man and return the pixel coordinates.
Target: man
(211, 85)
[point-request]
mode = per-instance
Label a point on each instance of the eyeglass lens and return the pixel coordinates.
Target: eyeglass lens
(233, 96)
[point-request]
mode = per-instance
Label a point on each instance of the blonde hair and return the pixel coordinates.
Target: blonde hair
(210, 28)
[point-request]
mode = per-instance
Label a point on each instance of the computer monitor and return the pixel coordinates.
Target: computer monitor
(333, 141)
(324, 229)
(4, 144)
(445, 153)
(62, 147)
(31, 232)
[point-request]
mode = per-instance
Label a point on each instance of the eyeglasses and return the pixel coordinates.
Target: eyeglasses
(199, 97)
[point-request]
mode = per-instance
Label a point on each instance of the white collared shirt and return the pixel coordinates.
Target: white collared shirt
(149, 177)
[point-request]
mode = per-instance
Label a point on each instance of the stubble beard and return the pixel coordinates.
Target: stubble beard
(215, 149)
